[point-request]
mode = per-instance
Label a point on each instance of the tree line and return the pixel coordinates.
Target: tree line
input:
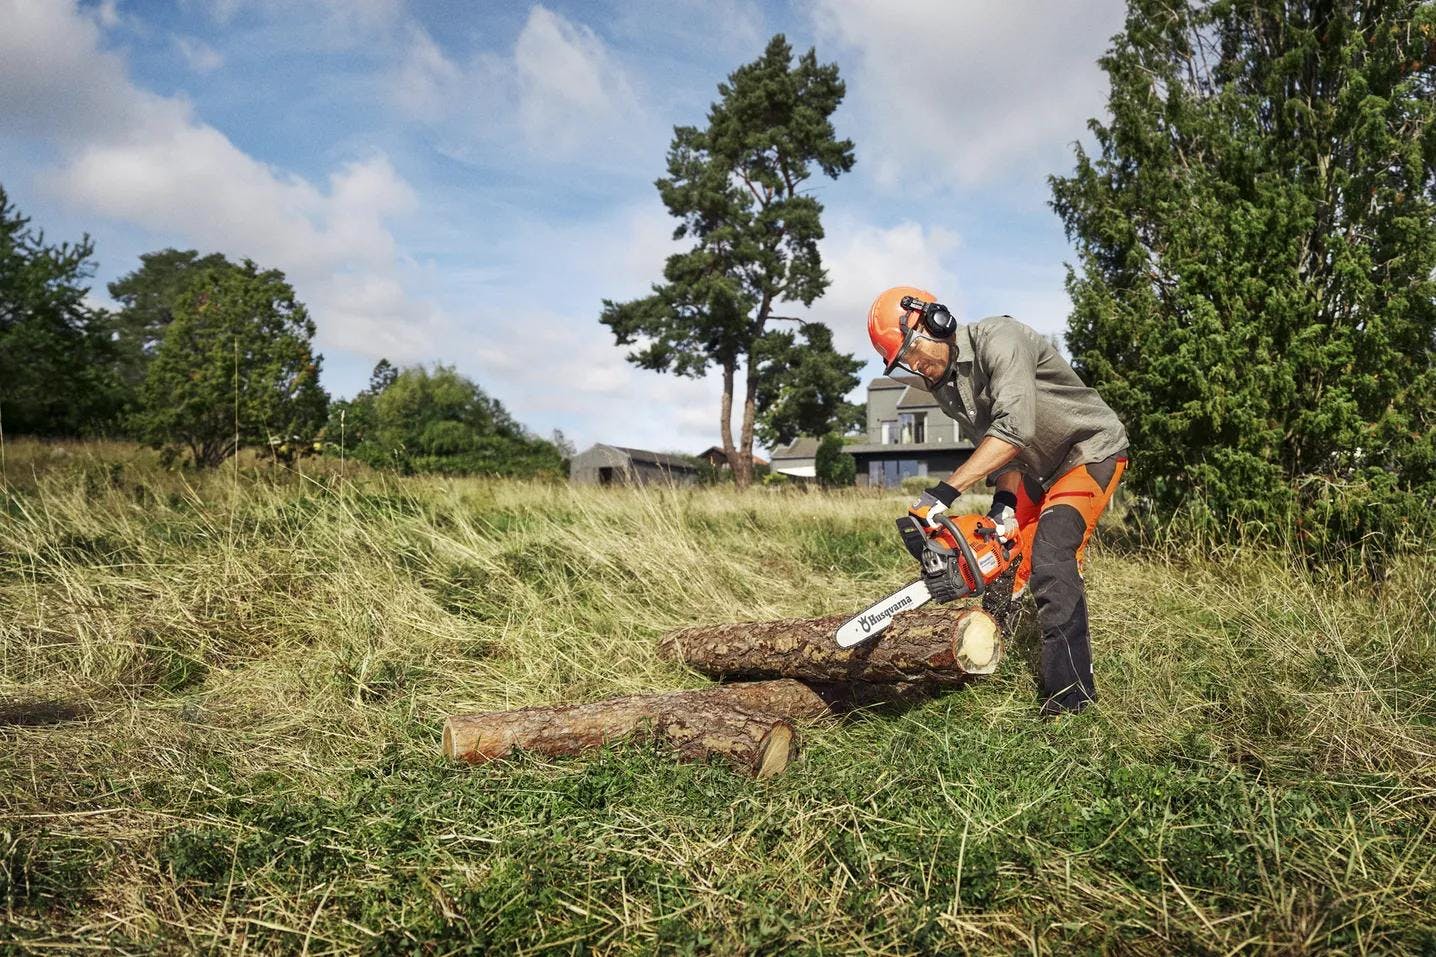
(206, 356)
(1254, 289)
(1255, 285)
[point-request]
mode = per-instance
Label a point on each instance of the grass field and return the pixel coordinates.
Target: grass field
(220, 700)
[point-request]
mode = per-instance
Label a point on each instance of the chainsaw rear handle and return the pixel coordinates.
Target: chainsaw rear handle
(984, 532)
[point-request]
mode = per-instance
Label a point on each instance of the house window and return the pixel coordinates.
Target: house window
(891, 472)
(913, 426)
(890, 431)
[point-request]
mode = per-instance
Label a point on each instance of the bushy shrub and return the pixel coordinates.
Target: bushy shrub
(1256, 295)
(834, 467)
(236, 368)
(438, 421)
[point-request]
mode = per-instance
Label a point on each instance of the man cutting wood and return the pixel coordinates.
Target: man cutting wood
(1053, 450)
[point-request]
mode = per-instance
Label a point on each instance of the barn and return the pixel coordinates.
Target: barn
(616, 465)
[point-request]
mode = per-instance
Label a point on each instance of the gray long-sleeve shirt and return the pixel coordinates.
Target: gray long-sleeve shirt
(1008, 381)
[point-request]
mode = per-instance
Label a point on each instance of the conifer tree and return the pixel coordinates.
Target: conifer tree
(737, 188)
(1257, 243)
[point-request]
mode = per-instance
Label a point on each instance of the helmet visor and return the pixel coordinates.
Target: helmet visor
(899, 358)
(904, 360)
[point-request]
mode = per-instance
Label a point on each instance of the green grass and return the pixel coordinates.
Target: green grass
(221, 696)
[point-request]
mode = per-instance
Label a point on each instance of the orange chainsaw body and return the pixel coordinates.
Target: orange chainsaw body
(961, 556)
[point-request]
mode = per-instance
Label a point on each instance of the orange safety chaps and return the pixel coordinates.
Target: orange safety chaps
(1055, 526)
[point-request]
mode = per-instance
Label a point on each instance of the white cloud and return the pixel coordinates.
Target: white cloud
(426, 80)
(557, 366)
(55, 81)
(560, 92)
(863, 259)
(967, 91)
(138, 158)
(201, 57)
(569, 86)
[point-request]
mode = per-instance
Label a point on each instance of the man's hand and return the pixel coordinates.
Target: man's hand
(1004, 514)
(933, 503)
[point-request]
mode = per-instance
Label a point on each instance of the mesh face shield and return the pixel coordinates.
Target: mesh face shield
(908, 335)
(902, 360)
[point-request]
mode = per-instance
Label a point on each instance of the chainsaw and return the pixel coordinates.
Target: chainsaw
(958, 559)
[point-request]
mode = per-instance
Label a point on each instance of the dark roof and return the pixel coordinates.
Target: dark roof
(803, 447)
(658, 458)
(916, 398)
(716, 451)
(900, 381)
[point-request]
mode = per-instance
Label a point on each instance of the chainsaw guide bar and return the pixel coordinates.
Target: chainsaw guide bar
(876, 617)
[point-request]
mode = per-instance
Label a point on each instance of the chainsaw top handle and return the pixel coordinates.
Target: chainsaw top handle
(967, 556)
(919, 540)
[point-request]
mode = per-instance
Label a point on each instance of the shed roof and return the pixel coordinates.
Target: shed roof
(803, 447)
(658, 458)
(717, 450)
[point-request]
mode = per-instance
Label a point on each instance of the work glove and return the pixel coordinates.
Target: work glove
(934, 502)
(1004, 514)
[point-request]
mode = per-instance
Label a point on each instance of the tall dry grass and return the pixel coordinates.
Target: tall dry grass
(222, 696)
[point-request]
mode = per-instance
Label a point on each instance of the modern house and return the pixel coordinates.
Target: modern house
(798, 458)
(907, 435)
(615, 465)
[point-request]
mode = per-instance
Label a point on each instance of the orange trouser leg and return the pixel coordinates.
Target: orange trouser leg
(1078, 488)
(1053, 545)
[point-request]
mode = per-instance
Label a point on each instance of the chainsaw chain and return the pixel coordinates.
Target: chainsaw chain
(997, 600)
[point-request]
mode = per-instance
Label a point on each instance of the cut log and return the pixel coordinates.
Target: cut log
(749, 725)
(934, 646)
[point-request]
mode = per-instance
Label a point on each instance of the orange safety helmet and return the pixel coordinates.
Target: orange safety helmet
(900, 313)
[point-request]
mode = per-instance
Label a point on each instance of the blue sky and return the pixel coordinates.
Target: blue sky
(465, 181)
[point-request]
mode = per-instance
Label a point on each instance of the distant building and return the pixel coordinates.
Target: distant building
(798, 458)
(615, 465)
(907, 435)
(715, 457)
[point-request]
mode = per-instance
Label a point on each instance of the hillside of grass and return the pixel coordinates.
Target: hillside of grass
(221, 696)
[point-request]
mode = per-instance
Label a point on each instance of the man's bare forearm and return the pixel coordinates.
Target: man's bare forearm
(990, 455)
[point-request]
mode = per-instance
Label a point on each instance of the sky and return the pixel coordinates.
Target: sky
(464, 181)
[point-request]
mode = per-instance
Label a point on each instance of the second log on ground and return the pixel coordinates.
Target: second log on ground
(750, 726)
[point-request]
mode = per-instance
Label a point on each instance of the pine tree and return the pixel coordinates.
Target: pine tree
(801, 386)
(737, 188)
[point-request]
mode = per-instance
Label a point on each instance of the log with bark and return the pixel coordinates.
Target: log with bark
(940, 646)
(749, 725)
